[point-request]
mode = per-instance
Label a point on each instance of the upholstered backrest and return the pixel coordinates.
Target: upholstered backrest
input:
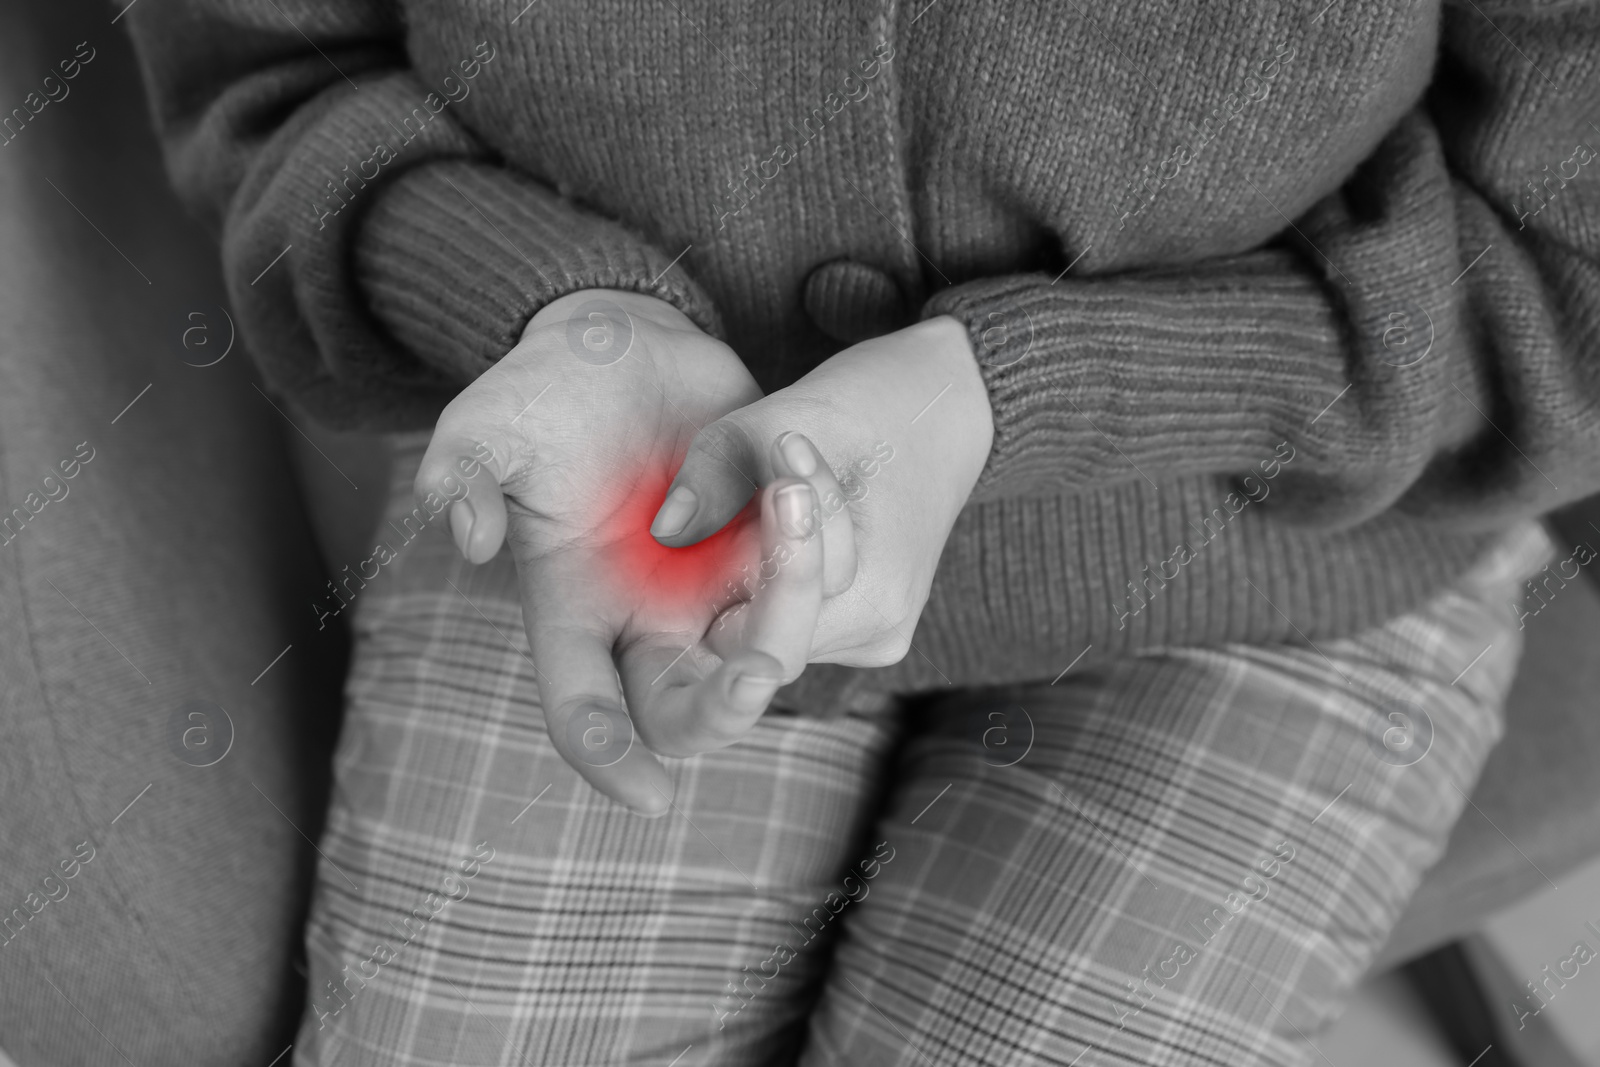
(160, 561)
(1541, 787)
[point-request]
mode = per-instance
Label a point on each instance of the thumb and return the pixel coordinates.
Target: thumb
(465, 473)
(721, 472)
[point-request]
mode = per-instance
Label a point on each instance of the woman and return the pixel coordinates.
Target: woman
(1191, 374)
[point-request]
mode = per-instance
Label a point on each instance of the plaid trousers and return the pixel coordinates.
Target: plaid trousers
(1186, 857)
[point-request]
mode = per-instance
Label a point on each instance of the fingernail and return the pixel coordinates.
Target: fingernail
(797, 452)
(461, 524)
(793, 507)
(752, 692)
(675, 513)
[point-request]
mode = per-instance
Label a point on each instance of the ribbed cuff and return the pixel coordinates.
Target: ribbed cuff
(456, 256)
(1101, 575)
(1099, 382)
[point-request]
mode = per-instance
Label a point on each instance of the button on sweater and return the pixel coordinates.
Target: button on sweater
(1282, 309)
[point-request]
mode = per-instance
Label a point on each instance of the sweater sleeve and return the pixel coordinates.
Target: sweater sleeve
(1425, 338)
(377, 254)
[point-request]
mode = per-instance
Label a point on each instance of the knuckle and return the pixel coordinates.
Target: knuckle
(838, 574)
(884, 650)
(464, 410)
(791, 666)
(429, 478)
(720, 439)
(894, 648)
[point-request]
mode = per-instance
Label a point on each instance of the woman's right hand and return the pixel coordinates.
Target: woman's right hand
(584, 424)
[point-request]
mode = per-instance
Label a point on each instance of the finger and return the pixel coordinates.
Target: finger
(683, 709)
(690, 701)
(464, 472)
(794, 455)
(780, 619)
(588, 724)
(720, 473)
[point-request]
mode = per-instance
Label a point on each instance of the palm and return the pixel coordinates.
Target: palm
(600, 446)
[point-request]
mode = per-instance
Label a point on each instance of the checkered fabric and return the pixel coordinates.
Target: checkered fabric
(1183, 858)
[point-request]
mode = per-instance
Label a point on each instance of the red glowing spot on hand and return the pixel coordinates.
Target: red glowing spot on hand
(665, 579)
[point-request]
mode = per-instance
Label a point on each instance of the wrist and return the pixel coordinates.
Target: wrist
(949, 350)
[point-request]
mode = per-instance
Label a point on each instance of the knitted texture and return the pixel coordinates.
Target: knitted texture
(1280, 312)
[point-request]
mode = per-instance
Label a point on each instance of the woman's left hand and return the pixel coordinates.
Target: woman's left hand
(892, 434)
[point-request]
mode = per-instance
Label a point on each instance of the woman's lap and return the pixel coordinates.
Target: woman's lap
(983, 912)
(591, 935)
(1029, 898)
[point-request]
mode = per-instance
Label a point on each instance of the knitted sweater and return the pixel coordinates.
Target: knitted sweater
(1282, 309)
